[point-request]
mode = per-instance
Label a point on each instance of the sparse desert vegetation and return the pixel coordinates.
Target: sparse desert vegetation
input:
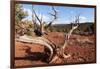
(81, 51)
(40, 42)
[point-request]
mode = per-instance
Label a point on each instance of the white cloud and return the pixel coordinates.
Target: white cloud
(28, 11)
(29, 17)
(47, 18)
(83, 19)
(68, 21)
(62, 21)
(44, 17)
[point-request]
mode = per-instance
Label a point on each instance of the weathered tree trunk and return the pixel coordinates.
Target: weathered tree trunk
(41, 41)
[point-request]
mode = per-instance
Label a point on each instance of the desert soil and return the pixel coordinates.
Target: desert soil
(81, 48)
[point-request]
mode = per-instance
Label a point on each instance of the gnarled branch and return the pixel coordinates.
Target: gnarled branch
(54, 15)
(41, 41)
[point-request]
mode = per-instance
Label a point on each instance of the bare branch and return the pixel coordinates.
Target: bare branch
(34, 19)
(39, 40)
(75, 26)
(41, 19)
(37, 17)
(54, 14)
(71, 31)
(41, 29)
(77, 18)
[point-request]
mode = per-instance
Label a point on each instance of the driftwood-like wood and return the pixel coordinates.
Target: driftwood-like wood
(39, 40)
(55, 52)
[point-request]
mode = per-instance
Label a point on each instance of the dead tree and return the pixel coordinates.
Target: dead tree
(40, 29)
(55, 51)
(60, 51)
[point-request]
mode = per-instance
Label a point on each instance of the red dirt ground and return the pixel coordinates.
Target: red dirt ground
(81, 48)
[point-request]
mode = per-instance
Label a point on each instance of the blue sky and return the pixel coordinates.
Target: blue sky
(65, 14)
